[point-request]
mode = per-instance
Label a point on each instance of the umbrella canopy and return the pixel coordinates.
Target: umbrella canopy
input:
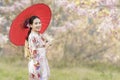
(18, 32)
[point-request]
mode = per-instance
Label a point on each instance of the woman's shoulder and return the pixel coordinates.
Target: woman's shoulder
(31, 36)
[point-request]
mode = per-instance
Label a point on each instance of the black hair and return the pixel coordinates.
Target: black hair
(29, 21)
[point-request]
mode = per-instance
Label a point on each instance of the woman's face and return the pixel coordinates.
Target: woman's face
(36, 25)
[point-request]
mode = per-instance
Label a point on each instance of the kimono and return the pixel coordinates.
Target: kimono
(38, 65)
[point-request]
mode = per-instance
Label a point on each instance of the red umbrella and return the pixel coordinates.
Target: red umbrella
(18, 33)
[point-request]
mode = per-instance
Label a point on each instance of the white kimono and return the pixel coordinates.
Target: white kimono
(38, 64)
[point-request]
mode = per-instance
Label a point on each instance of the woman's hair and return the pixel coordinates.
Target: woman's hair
(29, 21)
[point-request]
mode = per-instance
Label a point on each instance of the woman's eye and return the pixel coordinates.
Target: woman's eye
(37, 23)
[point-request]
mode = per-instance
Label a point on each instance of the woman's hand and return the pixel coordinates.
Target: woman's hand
(47, 44)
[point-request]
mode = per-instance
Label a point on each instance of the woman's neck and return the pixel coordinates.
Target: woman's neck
(35, 31)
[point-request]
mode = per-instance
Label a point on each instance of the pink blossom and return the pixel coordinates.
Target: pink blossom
(61, 2)
(3, 39)
(71, 6)
(12, 8)
(25, 2)
(2, 20)
(111, 2)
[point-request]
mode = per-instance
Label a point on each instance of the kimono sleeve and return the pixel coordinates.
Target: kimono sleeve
(33, 45)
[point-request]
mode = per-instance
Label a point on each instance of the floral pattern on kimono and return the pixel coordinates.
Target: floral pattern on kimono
(38, 64)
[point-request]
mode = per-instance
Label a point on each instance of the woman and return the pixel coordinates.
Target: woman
(38, 64)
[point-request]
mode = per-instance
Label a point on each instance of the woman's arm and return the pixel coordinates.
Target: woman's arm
(47, 42)
(33, 46)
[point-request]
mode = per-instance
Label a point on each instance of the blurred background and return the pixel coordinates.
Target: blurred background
(85, 37)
